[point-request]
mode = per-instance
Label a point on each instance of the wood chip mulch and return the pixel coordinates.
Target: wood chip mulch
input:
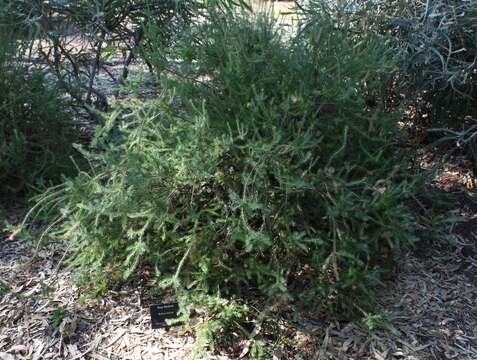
(44, 316)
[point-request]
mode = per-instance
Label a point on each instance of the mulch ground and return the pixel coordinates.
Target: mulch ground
(428, 311)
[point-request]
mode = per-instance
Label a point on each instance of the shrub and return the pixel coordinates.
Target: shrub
(36, 132)
(266, 169)
(75, 41)
(436, 46)
(436, 42)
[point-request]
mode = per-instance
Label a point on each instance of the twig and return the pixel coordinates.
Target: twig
(38, 244)
(279, 300)
(91, 348)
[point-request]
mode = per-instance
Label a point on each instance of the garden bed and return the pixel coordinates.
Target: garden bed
(427, 312)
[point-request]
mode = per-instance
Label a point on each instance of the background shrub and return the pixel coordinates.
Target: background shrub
(437, 46)
(267, 168)
(75, 41)
(36, 132)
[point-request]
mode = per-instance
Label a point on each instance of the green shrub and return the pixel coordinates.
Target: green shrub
(436, 43)
(36, 132)
(267, 168)
(436, 46)
(102, 32)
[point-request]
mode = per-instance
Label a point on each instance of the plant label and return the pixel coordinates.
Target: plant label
(162, 312)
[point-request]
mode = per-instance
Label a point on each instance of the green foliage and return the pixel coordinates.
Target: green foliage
(102, 32)
(374, 321)
(62, 320)
(36, 131)
(221, 317)
(4, 290)
(266, 168)
(380, 322)
(258, 350)
(58, 315)
(437, 46)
